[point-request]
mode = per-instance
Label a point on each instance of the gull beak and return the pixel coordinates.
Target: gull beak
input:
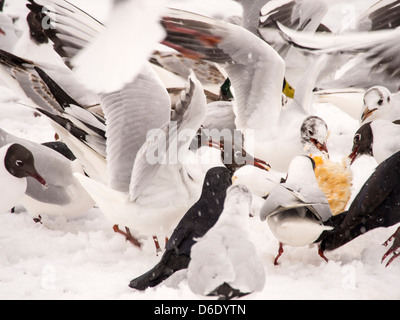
(367, 113)
(2, 32)
(40, 179)
(320, 146)
(353, 156)
(288, 90)
(260, 164)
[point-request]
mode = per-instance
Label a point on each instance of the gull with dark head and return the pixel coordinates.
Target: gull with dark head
(379, 139)
(18, 164)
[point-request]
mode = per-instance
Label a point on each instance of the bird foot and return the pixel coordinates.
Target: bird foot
(128, 235)
(157, 244)
(322, 255)
(396, 245)
(38, 219)
(280, 252)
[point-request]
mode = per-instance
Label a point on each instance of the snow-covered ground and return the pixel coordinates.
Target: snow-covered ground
(84, 259)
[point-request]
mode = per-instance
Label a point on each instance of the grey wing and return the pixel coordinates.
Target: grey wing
(285, 197)
(70, 28)
(23, 78)
(280, 199)
(209, 74)
(255, 69)
(384, 14)
(296, 14)
(187, 117)
(301, 15)
(26, 77)
(131, 113)
(315, 200)
(251, 14)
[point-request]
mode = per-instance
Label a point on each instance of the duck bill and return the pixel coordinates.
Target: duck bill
(367, 113)
(40, 179)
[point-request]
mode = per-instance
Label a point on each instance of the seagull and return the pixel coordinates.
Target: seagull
(93, 37)
(64, 195)
(363, 53)
(297, 209)
(380, 103)
(225, 263)
(375, 206)
(17, 165)
(152, 179)
(82, 129)
(195, 224)
(257, 73)
(379, 139)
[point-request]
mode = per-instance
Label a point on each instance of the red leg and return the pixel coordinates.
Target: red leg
(157, 244)
(395, 256)
(391, 238)
(280, 252)
(38, 219)
(394, 247)
(322, 255)
(128, 235)
(166, 241)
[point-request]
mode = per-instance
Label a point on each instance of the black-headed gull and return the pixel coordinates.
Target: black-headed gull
(64, 195)
(152, 177)
(379, 139)
(17, 164)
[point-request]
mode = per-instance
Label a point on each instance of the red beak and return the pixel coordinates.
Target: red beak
(40, 179)
(321, 147)
(353, 156)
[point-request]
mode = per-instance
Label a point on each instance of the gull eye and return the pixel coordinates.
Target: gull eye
(19, 163)
(380, 102)
(357, 138)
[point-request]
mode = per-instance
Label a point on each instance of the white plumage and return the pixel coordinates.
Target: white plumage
(225, 254)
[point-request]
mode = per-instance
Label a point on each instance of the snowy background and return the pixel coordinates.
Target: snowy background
(85, 259)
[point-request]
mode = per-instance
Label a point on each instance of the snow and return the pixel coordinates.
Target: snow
(84, 259)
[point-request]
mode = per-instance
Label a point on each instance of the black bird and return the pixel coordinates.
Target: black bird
(363, 142)
(200, 218)
(377, 205)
